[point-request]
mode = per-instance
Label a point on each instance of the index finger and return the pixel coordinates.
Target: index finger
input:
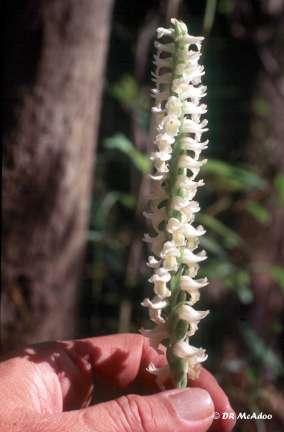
(117, 361)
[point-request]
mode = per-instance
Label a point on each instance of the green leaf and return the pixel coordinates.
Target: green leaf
(245, 294)
(125, 90)
(211, 245)
(262, 107)
(239, 281)
(232, 178)
(102, 237)
(259, 212)
(260, 350)
(279, 185)
(278, 275)
(121, 143)
(127, 200)
(217, 268)
(231, 239)
(101, 212)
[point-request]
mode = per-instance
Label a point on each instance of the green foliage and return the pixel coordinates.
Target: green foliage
(229, 238)
(135, 102)
(232, 178)
(259, 212)
(278, 275)
(262, 107)
(121, 143)
(260, 350)
(279, 185)
(126, 90)
(213, 246)
(102, 237)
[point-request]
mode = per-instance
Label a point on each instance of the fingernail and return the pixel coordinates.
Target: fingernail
(193, 404)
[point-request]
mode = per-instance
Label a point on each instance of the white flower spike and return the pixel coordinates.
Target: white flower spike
(178, 110)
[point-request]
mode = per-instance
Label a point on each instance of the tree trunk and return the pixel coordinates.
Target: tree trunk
(54, 64)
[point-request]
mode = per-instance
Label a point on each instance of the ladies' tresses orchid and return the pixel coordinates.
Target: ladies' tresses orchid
(178, 92)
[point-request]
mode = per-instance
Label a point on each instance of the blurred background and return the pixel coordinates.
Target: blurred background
(241, 203)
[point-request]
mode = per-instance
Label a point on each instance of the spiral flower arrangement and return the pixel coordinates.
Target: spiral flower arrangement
(178, 93)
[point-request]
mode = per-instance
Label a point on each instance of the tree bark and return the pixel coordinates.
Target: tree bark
(55, 59)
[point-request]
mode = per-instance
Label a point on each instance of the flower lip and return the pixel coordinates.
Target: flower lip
(160, 96)
(162, 79)
(161, 330)
(174, 106)
(153, 262)
(189, 143)
(156, 303)
(194, 232)
(170, 47)
(171, 125)
(188, 40)
(189, 55)
(179, 203)
(187, 183)
(156, 335)
(186, 351)
(163, 374)
(189, 257)
(165, 32)
(191, 126)
(173, 225)
(169, 248)
(160, 275)
(160, 63)
(163, 156)
(191, 108)
(187, 283)
(191, 315)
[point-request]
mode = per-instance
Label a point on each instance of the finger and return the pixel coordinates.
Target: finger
(220, 400)
(65, 371)
(181, 410)
(117, 362)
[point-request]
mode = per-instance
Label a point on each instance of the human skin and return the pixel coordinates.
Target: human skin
(48, 387)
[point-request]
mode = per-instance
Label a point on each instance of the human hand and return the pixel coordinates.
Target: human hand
(48, 387)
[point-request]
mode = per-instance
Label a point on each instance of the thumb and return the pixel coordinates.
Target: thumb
(186, 410)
